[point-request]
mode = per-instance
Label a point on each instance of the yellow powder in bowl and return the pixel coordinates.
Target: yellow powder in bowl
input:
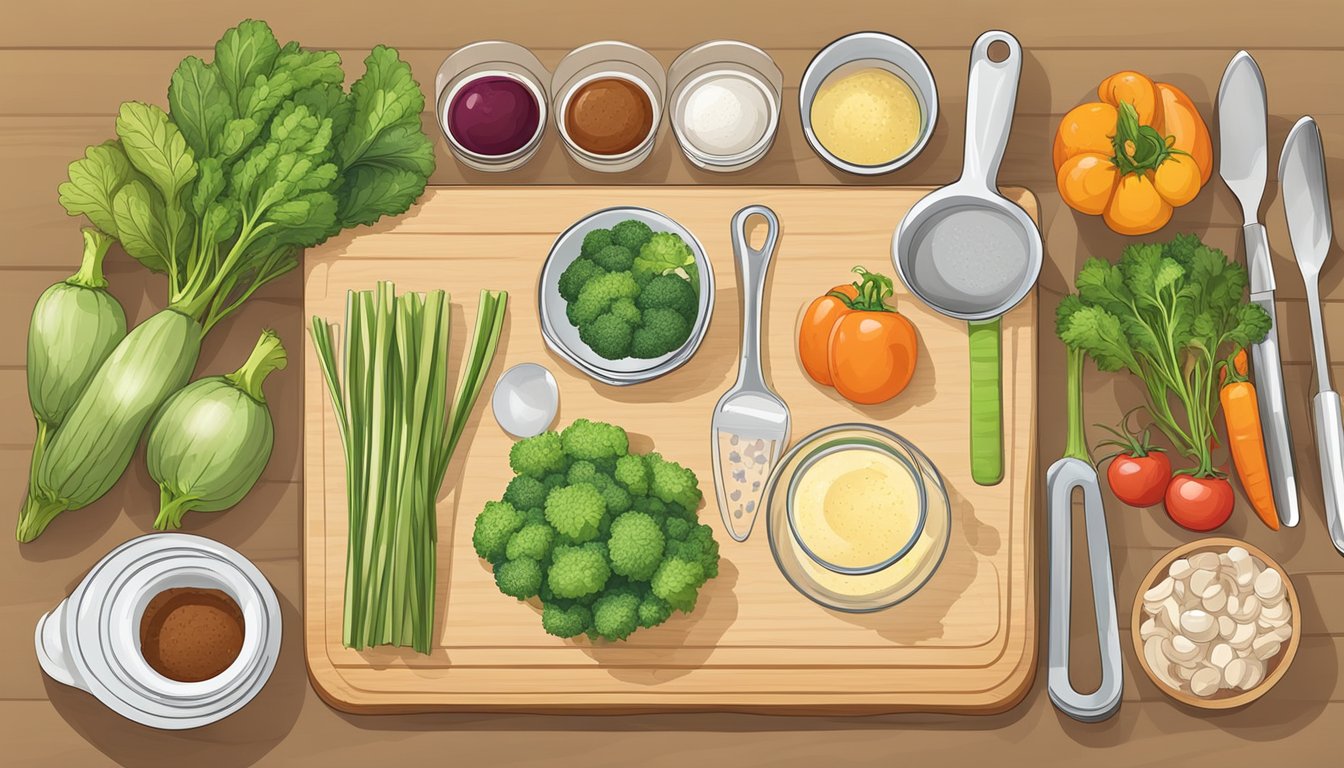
(866, 117)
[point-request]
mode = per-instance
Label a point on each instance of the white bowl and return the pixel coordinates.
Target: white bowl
(91, 640)
(879, 50)
(563, 338)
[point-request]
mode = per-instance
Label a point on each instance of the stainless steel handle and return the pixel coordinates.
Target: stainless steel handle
(1330, 445)
(990, 98)
(1062, 478)
(752, 266)
(1258, 262)
(1270, 400)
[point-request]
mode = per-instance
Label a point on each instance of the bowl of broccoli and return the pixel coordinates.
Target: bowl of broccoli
(625, 295)
(606, 541)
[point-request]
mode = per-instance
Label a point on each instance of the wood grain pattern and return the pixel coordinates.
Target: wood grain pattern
(965, 642)
(67, 63)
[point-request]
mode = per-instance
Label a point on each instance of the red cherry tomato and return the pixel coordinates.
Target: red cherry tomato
(1139, 481)
(1199, 503)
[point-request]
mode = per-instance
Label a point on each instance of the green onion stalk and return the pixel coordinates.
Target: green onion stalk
(398, 429)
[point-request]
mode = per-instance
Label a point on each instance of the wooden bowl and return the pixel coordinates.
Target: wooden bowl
(1274, 667)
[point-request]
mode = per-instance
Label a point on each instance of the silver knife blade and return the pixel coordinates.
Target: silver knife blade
(1242, 120)
(1306, 198)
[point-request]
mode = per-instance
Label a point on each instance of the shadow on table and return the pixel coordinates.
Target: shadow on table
(239, 740)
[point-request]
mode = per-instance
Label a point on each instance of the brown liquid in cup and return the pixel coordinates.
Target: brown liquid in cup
(609, 116)
(189, 634)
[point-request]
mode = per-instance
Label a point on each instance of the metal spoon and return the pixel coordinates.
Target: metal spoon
(750, 428)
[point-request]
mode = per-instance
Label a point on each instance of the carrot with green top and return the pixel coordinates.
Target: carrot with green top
(1245, 438)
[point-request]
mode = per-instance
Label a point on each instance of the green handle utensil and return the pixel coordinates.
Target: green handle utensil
(986, 401)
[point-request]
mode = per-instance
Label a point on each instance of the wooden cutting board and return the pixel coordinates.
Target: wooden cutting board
(966, 642)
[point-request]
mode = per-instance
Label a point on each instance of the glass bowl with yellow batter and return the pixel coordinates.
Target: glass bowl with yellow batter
(868, 103)
(858, 518)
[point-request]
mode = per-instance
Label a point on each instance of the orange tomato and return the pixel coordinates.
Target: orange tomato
(1133, 156)
(852, 340)
(872, 356)
(814, 334)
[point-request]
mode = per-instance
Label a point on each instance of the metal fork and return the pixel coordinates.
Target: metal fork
(749, 411)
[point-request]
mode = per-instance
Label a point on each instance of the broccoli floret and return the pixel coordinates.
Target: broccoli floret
(554, 480)
(532, 540)
(595, 241)
(665, 253)
(676, 528)
(525, 493)
(519, 578)
(495, 525)
(698, 547)
(608, 336)
(653, 610)
(593, 440)
(663, 331)
(614, 258)
(575, 512)
(535, 516)
(678, 581)
(635, 546)
(616, 615)
(578, 571)
(632, 234)
(598, 294)
(633, 474)
(617, 498)
(626, 310)
(606, 466)
(583, 471)
(650, 505)
(565, 620)
(670, 292)
(537, 456)
(673, 483)
(575, 276)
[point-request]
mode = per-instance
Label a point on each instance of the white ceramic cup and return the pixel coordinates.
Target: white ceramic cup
(91, 640)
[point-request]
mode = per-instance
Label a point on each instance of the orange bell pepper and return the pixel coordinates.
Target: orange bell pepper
(1133, 156)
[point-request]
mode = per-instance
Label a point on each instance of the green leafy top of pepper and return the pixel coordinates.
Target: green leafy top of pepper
(1169, 313)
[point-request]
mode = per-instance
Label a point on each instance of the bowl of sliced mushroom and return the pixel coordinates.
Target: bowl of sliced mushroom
(1216, 623)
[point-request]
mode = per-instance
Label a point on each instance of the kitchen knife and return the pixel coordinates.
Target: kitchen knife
(1242, 119)
(1306, 203)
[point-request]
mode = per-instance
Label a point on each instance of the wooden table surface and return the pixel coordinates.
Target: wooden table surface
(64, 68)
